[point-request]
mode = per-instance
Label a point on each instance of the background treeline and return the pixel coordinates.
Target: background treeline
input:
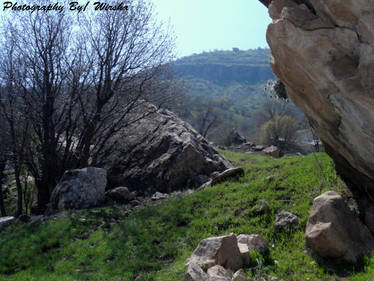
(228, 91)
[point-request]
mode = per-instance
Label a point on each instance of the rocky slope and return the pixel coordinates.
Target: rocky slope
(324, 54)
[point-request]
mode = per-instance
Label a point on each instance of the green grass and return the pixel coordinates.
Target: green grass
(153, 243)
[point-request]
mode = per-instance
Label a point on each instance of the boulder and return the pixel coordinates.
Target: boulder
(272, 151)
(219, 273)
(161, 153)
(240, 276)
(195, 273)
(334, 231)
(285, 220)
(121, 194)
(323, 52)
(227, 174)
(79, 188)
(221, 250)
(5, 221)
(254, 242)
(159, 196)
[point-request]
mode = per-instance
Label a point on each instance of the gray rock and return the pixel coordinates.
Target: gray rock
(272, 151)
(121, 194)
(221, 250)
(285, 220)
(258, 148)
(5, 221)
(80, 188)
(162, 153)
(227, 174)
(254, 242)
(159, 196)
(219, 273)
(240, 276)
(195, 273)
(334, 231)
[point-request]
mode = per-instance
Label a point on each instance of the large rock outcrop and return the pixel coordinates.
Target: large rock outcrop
(323, 52)
(162, 153)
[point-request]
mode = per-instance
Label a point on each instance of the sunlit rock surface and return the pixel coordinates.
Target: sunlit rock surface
(324, 54)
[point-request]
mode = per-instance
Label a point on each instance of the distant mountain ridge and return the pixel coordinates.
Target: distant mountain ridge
(225, 67)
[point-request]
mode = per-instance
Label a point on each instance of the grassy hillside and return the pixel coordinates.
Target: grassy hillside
(153, 243)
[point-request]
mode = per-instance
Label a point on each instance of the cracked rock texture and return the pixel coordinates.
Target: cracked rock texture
(162, 153)
(323, 51)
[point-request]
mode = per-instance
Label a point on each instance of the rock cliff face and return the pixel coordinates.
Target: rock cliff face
(323, 52)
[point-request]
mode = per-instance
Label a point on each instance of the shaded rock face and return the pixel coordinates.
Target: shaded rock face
(324, 54)
(79, 188)
(334, 231)
(163, 153)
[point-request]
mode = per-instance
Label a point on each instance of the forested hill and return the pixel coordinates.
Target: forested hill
(228, 86)
(226, 67)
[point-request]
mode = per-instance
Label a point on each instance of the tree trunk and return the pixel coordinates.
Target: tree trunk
(17, 174)
(2, 206)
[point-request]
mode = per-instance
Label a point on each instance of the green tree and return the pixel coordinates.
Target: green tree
(279, 131)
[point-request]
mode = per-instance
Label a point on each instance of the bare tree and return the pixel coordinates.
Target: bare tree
(4, 156)
(207, 119)
(77, 91)
(15, 126)
(127, 55)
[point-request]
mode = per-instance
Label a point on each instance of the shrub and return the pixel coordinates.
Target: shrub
(279, 131)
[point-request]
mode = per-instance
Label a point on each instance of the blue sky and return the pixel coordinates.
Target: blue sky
(204, 25)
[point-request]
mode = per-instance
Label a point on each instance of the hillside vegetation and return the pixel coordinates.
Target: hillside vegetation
(230, 82)
(153, 243)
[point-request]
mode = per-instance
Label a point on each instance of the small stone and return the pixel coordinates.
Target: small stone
(284, 220)
(229, 173)
(219, 273)
(272, 151)
(121, 194)
(195, 273)
(160, 196)
(240, 276)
